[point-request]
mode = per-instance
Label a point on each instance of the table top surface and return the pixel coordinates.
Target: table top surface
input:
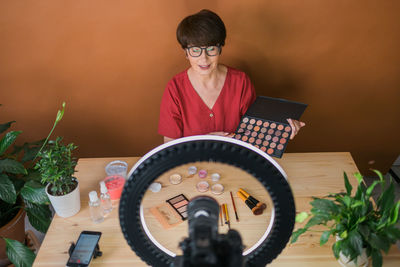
(309, 174)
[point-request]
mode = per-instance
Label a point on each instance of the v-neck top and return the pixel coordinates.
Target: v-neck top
(184, 113)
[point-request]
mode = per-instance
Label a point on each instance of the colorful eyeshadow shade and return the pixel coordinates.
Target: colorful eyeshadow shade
(269, 136)
(179, 204)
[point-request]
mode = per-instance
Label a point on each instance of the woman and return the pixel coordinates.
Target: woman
(207, 98)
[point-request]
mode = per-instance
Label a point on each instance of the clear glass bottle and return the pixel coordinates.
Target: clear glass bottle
(105, 199)
(96, 211)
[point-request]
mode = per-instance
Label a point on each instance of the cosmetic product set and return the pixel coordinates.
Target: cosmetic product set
(265, 124)
(110, 190)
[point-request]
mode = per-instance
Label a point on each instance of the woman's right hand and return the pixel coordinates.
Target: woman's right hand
(222, 134)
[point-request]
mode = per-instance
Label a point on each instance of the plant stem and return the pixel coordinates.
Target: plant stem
(60, 114)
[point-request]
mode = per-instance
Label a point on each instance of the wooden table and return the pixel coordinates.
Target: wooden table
(309, 174)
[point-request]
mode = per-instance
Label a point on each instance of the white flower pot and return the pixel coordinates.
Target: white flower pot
(362, 260)
(67, 205)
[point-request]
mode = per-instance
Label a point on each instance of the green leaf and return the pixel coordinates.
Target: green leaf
(33, 175)
(324, 205)
(301, 217)
(364, 230)
(386, 200)
(376, 258)
(7, 140)
(358, 177)
(325, 237)
(393, 233)
(7, 190)
(12, 166)
(394, 217)
(296, 234)
(356, 241)
(356, 204)
(18, 254)
(5, 126)
(34, 192)
(379, 242)
(347, 184)
(343, 235)
(346, 200)
(380, 175)
(336, 248)
(39, 216)
(371, 188)
(317, 219)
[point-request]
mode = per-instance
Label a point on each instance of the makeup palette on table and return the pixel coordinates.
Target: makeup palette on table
(265, 124)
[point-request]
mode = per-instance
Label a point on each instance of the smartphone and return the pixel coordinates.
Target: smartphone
(84, 249)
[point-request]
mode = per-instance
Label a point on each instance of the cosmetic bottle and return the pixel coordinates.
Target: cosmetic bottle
(96, 211)
(105, 199)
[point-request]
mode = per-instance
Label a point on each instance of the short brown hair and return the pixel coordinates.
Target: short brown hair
(201, 29)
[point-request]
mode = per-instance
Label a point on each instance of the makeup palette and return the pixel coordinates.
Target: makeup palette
(179, 204)
(265, 124)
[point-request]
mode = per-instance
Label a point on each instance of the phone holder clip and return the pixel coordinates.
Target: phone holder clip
(97, 252)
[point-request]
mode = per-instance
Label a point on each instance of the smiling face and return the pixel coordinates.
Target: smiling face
(204, 64)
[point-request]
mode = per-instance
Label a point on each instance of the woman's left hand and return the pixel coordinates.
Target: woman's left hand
(296, 125)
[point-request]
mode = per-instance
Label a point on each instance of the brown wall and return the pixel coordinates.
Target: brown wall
(110, 60)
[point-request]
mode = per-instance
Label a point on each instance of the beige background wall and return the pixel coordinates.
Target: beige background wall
(110, 60)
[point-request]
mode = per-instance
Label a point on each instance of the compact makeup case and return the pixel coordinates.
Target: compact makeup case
(265, 124)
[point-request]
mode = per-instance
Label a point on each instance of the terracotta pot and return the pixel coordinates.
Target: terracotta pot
(67, 205)
(15, 229)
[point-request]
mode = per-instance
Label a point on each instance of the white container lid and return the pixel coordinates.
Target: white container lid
(103, 188)
(93, 196)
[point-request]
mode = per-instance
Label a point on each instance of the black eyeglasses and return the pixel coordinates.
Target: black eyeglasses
(196, 51)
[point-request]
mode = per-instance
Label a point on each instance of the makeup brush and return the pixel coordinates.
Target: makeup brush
(234, 207)
(252, 199)
(228, 222)
(256, 210)
(220, 215)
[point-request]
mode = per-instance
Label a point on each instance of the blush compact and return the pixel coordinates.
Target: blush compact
(265, 124)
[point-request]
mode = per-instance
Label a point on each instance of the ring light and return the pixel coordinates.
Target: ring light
(206, 148)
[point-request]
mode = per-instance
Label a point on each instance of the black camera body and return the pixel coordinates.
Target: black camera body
(204, 246)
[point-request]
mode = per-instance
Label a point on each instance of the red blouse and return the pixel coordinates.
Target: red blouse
(183, 112)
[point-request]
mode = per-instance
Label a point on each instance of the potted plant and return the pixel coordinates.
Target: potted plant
(20, 192)
(358, 223)
(57, 167)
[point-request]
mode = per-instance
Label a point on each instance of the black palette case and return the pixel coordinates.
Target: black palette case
(265, 124)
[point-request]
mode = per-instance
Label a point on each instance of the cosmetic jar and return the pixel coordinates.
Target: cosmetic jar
(215, 177)
(202, 186)
(192, 170)
(175, 178)
(217, 189)
(202, 173)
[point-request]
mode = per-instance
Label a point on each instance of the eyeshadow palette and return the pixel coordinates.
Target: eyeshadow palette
(265, 124)
(179, 203)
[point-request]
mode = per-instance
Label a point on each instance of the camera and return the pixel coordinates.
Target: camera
(205, 246)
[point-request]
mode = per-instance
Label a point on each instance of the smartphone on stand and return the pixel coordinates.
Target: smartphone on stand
(84, 249)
